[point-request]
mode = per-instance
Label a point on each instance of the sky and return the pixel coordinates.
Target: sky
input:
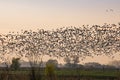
(51, 14)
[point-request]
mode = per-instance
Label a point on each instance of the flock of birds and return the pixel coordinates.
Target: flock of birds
(63, 42)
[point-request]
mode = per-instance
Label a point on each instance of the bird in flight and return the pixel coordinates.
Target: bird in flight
(109, 10)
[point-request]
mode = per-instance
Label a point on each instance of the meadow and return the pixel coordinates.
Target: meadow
(61, 74)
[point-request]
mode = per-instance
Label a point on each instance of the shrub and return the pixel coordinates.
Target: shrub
(15, 64)
(50, 72)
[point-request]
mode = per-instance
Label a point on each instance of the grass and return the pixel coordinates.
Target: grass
(65, 74)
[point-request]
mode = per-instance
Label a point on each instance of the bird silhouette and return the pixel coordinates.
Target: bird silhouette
(109, 10)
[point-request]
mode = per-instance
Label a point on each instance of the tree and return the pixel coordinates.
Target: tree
(15, 64)
(75, 61)
(52, 62)
(72, 62)
(50, 72)
(93, 65)
(68, 62)
(115, 63)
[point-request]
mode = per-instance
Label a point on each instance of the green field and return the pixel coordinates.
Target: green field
(62, 74)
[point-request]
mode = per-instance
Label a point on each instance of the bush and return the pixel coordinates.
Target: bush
(15, 64)
(50, 72)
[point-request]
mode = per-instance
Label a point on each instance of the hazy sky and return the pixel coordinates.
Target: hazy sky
(51, 14)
